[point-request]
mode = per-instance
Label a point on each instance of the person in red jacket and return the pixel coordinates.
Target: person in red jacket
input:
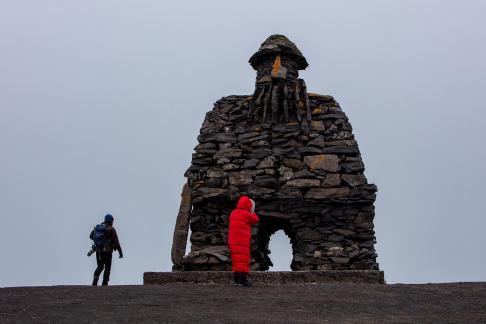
(239, 238)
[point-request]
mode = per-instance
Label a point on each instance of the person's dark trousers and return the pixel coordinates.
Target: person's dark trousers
(241, 278)
(103, 260)
(244, 280)
(236, 277)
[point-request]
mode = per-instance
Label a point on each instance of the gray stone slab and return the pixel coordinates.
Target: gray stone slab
(265, 277)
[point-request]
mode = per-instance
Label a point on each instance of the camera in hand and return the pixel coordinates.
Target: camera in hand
(93, 250)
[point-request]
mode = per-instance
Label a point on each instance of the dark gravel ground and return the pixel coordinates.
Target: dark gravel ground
(191, 303)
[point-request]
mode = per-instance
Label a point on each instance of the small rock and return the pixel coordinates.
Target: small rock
(241, 178)
(230, 166)
(260, 153)
(352, 167)
(317, 125)
(335, 251)
(309, 235)
(304, 174)
(227, 153)
(335, 238)
(340, 260)
(285, 173)
(214, 182)
(251, 163)
(266, 181)
(218, 137)
(327, 193)
(351, 150)
(243, 138)
(344, 232)
(331, 180)
(364, 220)
(310, 150)
(303, 183)
(292, 163)
(215, 174)
(317, 142)
(270, 171)
(323, 162)
(353, 180)
(324, 267)
(267, 162)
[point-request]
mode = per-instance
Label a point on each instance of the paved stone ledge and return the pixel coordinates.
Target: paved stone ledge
(265, 277)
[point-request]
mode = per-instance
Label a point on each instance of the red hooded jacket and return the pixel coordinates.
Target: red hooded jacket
(239, 236)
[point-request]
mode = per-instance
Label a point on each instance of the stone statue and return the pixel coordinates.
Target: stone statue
(294, 153)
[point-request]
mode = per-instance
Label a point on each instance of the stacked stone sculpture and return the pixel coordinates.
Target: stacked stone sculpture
(294, 153)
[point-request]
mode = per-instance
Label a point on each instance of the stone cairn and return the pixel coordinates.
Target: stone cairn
(294, 153)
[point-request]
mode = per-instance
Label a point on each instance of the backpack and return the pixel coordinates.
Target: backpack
(99, 238)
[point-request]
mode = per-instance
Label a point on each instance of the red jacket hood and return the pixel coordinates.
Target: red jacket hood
(244, 203)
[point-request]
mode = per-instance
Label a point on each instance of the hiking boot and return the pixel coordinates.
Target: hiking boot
(244, 280)
(237, 278)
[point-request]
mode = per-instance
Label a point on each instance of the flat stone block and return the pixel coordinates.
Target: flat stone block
(265, 277)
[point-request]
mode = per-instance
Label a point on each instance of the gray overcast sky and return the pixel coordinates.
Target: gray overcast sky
(101, 103)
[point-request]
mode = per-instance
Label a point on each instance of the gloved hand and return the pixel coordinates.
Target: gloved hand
(120, 254)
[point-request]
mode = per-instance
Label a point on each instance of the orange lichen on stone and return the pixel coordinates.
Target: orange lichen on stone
(325, 162)
(276, 66)
(318, 160)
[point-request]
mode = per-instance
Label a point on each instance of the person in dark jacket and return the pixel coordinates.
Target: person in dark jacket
(105, 251)
(239, 238)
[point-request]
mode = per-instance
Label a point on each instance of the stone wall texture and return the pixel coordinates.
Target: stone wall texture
(294, 153)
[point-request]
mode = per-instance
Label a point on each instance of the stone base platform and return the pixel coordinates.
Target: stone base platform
(265, 277)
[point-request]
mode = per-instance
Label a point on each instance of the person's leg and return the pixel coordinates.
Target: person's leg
(236, 274)
(236, 277)
(244, 280)
(107, 261)
(99, 268)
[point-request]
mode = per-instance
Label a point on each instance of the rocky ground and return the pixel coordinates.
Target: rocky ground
(186, 303)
